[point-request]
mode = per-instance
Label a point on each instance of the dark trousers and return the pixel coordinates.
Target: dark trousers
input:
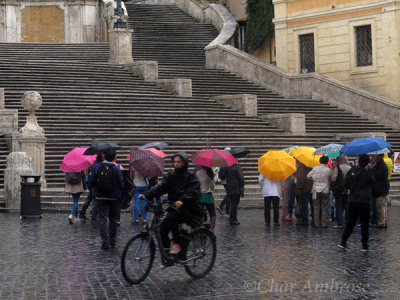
(356, 210)
(340, 206)
(321, 209)
(211, 211)
(171, 224)
(305, 199)
(267, 209)
(108, 208)
(235, 199)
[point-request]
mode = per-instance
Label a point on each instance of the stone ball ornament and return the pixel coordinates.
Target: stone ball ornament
(31, 101)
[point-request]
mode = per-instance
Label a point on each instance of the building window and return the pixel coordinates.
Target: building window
(364, 46)
(307, 59)
(241, 34)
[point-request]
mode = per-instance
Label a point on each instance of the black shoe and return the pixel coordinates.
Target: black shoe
(343, 245)
(234, 223)
(302, 223)
(83, 217)
(105, 247)
(118, 223)
(112, 246)
(364, 247)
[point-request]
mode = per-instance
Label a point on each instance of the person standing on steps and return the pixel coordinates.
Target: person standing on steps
(225, 202)
(272, 192)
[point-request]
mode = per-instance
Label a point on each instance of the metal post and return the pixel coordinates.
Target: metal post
(119, 11)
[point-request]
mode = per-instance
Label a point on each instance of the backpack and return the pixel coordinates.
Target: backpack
(105, 179)
(337, 186)
(73, 177)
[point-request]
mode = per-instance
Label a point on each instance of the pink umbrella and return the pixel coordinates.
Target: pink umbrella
(157, 152)
(75, 161)
(146, 162)
(213, 158)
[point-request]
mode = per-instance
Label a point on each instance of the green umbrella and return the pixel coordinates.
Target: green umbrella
(332, 155)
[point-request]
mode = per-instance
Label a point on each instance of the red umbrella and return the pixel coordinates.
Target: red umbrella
(75, 161)
(213, 158)
(146, 162)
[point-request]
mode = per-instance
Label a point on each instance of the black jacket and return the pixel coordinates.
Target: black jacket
(234, 179)
(360, 182)
(181, 185)
(381, 187)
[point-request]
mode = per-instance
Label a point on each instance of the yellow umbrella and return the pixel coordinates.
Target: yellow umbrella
(306, 156)
(276, 165)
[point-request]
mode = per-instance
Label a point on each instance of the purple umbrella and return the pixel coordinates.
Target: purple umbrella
(75, 161)
(146, 163)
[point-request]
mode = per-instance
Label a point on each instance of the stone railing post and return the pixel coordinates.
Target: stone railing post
(31, 138)
(18, 163)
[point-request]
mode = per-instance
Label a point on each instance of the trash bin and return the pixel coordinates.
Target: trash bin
(30, 195)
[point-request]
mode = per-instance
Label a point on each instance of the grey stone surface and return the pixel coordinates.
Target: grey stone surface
(246, 103)
(293, 123)
(348, 137)
(2, 99)
(120, 46)
(180, 86)
(146, 70)
(49, 259)
(8, 121)
(306, 86)
(18, 163)
(215, 14)
(31, 138)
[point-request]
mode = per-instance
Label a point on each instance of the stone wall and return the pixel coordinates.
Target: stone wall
(50, 21)
(305, 86)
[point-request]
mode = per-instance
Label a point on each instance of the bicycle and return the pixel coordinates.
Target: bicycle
(197, 255)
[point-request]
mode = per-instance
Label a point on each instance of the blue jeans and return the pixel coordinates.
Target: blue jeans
(291, 199)
(108, 208)
(227, 203)
(330, 206)
(74, 210)
(341, 204)
(90, 197)
(139, 203)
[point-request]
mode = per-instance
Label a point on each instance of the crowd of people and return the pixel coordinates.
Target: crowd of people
(359, 191)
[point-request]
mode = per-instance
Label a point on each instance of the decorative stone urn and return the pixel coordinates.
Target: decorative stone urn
(31, 101)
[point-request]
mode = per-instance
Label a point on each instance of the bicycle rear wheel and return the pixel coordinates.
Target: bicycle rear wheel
(137, 258)
(201, 253)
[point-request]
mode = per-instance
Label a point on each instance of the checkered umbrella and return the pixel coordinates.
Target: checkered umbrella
(328, 149)
(146, 163)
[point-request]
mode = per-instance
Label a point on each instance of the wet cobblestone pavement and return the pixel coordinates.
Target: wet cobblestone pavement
(49, 259)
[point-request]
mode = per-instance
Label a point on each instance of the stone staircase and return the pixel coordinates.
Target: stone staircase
(86, 98)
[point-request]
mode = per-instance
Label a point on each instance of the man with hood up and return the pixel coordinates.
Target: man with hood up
(360, 181)
(183, 190)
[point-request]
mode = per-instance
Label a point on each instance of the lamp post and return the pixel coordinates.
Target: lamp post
(119, 11)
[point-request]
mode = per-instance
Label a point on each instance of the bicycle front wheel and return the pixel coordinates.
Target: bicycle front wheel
(201, 253)
(137, 258)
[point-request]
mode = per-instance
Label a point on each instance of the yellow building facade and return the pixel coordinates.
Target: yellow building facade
(354, 41)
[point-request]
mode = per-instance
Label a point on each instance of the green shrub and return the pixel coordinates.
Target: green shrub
(259, 23)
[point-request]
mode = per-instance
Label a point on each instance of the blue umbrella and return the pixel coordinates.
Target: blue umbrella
(383, 151)
(364, 146)
(328, 149)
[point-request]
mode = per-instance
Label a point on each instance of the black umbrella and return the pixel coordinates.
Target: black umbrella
(239, 152)
(100, 148)
(157, 145)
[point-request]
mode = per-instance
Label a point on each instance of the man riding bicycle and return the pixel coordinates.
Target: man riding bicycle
(183, 190)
